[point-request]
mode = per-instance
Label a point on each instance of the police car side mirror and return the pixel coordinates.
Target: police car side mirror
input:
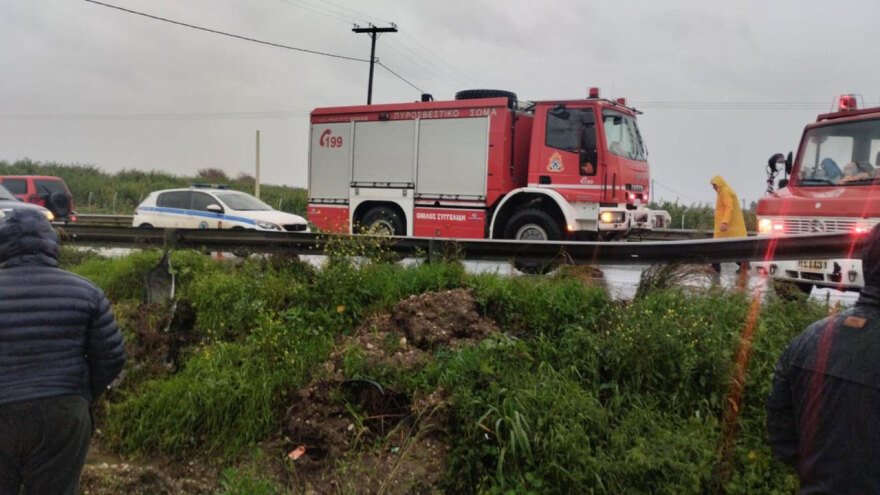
(215, 208)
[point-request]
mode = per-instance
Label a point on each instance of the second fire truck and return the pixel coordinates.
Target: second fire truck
(481, 166)
(833, 187)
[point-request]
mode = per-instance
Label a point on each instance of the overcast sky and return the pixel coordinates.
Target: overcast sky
(723, 84)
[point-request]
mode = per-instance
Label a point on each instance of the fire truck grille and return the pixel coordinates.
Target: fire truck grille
(818, 225)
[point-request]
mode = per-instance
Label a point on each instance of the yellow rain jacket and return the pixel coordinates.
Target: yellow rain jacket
(727, 210)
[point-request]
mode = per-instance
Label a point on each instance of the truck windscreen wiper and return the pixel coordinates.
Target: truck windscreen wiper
(815, 181)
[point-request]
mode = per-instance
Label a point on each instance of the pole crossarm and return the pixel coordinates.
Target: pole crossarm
(373, 31)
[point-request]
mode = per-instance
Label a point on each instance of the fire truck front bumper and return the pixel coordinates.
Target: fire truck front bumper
(841, 274)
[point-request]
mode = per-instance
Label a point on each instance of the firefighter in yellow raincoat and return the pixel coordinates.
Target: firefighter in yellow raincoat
(729, 221)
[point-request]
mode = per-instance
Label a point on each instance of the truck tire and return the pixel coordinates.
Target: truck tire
(533, 225)
(382, 220)
(475, 94)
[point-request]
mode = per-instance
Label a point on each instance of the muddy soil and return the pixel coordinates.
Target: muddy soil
(358, 435)
(107, 474)
(362, 437)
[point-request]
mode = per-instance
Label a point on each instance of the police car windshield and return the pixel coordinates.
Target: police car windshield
(5, 194)
(242, 202)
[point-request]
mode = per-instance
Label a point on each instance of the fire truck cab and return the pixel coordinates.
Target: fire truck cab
(484, 165)
(832, 185)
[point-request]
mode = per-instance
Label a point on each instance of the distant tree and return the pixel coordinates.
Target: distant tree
(245, 178)
(214, 174)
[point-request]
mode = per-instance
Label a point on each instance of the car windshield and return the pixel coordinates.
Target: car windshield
(5, 194)
(840, 155)
(242, 202)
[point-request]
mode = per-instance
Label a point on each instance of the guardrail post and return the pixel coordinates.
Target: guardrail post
(435, 249)
(171, 239)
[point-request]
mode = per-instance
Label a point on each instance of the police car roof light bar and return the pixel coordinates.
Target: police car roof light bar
(209, 186)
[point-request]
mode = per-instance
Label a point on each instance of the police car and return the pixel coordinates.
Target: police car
(212, 207)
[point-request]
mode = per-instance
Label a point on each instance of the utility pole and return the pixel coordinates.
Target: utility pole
(373, 31)
(257, 178)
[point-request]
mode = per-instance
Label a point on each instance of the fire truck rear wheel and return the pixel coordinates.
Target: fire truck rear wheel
(533, 225)
(383, 221)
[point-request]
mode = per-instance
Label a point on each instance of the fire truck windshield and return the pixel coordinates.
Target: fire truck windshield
(840, 155)
(622, 136)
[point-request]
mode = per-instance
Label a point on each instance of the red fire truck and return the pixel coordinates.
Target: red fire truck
(834, 186)
(481, 166)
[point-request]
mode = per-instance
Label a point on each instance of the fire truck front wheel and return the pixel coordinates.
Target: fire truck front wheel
(383, 221)
(533, 225)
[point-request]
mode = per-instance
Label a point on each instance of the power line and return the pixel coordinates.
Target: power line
(664, 186)
(319, 12)
(154, 116)
(443, 77)
(269, 43)
(311, 6)
(278, 45)
(380, 64)
(360, 14)
(438, 57)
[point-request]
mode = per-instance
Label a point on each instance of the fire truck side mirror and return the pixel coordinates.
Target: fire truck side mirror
(782, 183)
(774, 161)
(560, 112)
(788, 163)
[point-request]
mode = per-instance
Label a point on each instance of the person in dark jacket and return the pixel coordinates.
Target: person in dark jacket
(59, 350)
(823, 414)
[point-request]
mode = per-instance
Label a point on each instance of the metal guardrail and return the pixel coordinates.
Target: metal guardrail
(805, 246)
(101, 219)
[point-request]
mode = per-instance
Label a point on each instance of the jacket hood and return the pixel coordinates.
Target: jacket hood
(27, 238)
(718, 181)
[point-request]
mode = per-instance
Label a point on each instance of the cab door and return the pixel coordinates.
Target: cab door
(173, 208)
(200, 216)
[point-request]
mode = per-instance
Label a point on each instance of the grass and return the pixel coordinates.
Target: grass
(579, 394)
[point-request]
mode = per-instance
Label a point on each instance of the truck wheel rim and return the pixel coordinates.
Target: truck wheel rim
(382, 227)
(532, 232)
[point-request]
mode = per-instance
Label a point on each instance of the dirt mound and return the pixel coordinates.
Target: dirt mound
(405, 338)
(362, 437)
(440, 318)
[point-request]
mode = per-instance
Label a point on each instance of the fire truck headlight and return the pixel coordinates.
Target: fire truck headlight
(612, 217)
(861, 230)
(765, 226)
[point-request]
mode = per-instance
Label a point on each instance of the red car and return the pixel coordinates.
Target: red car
(43, 190)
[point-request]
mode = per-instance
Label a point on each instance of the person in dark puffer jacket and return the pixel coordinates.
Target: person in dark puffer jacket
(823, 414)
(59, 350)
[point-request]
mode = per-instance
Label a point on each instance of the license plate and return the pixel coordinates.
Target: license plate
(812, 264)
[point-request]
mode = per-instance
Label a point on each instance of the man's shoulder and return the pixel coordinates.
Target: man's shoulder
(812, 335)
(52, 276)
